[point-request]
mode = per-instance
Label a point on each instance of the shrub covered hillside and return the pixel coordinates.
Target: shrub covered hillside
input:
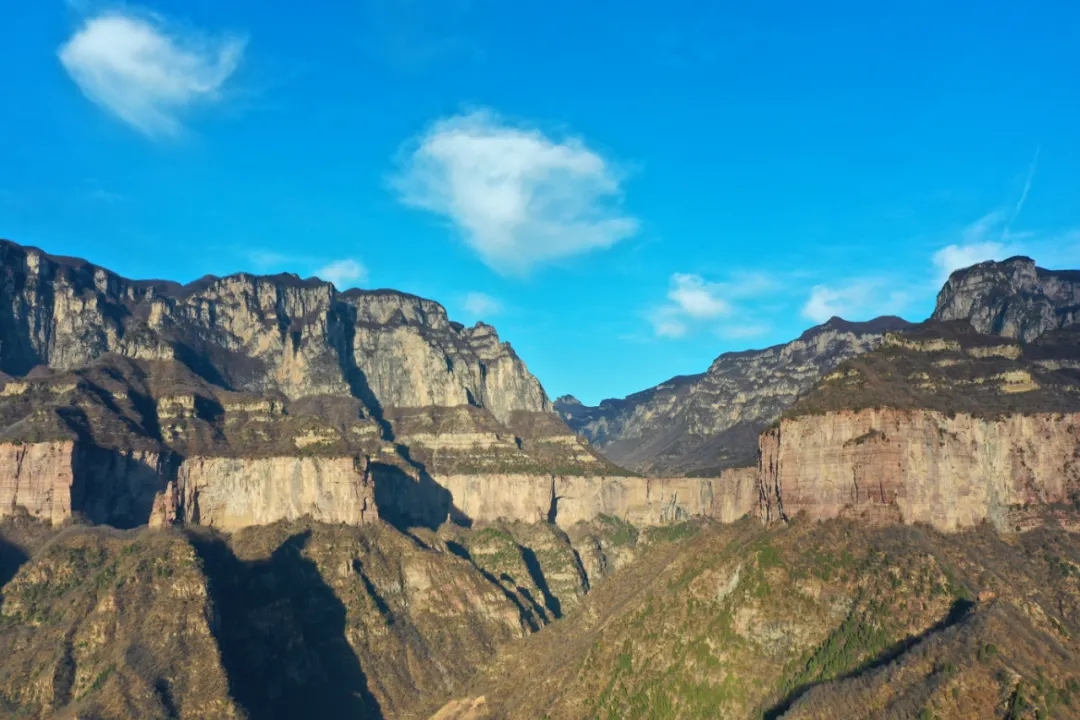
(290, 620)
(824, 620)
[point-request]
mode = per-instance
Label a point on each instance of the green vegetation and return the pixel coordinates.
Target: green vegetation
(617, 530)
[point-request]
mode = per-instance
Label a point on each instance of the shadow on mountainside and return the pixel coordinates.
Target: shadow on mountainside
(960, 610)
(407, 502)
(12, 557)
(281, 630)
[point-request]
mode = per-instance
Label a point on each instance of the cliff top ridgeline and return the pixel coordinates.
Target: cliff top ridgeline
(951, 368)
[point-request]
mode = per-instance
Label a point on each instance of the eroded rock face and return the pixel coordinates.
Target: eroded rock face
(703, 423)
(1013, 298)
(38, 478)
(54, 480)
(232, 493)
(258, 334)
(918, 465)
(568, 500)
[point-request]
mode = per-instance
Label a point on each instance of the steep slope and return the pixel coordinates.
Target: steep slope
(699, 424)
(1013, 298)
(293, 619)
(940, 425)
(809, 620)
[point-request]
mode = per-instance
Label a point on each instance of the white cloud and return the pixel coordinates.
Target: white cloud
(695, 297)
(694, 301)
(953, 257)
(854, 300)
(667, 324)
(478, 304)
(518, 197)
(146, 73)
(987, 238)
(343, 273)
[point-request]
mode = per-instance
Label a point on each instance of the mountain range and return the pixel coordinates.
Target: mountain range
(260, 497)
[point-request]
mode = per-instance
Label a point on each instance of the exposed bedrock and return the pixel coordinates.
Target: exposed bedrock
(918, 465)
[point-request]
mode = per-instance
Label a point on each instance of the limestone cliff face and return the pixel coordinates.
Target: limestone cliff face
(258, 334)
(918, 465)
(54, 480)
(38, 478)
(1013, 298)
(567, 500)
(702, 423)
(232, 493)
(940, 425)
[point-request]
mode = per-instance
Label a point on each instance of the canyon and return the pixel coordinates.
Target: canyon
(257, 497)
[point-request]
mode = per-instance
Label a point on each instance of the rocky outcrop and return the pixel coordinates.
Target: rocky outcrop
(232, 493)
(940, 425)
(258, 334)
(58, 479)
(38, 478)
(918, 466)
(699, 424)
(1013, 298)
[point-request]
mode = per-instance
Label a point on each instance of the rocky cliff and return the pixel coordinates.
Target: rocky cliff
(257, 334)
(246, 400)
(940, 426)
(699, 424)
(1013, 298)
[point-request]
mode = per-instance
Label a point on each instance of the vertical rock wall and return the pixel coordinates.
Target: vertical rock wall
(949, 472)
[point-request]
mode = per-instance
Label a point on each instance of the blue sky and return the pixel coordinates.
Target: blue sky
(625, 190)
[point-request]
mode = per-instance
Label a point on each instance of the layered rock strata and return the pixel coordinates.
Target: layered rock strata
(941, 425)
(299, 337)
(919, 466)
(54, 480)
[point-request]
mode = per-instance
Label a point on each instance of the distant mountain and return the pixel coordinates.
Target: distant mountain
(700, 424)
(1013, 298)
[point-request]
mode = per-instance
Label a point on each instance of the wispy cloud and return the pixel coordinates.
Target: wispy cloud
(343, 273)
(267, 260)
(860, 299)
(518, 197)
(1027, 188)
(148, 72)
(667, 323)
(696, 298)
(481, 305)
(988, 238)
(694, 302)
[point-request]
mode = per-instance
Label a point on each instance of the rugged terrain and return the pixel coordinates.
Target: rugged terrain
(940, 425)
(358, 508)
(701, 424)
(244, 400)
(1014, 298)
(292, 619)
(809, 620)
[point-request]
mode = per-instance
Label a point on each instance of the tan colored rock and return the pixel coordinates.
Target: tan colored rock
(571, 499)
(949, 472)
(37, 477)
(232, 493)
